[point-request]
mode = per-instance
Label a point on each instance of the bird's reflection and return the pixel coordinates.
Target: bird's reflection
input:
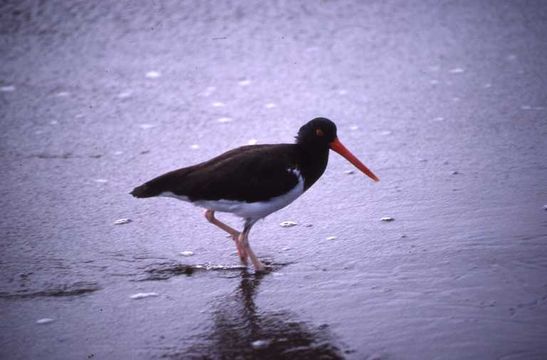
(241, 331)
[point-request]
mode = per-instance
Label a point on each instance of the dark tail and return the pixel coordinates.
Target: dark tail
(144, 191)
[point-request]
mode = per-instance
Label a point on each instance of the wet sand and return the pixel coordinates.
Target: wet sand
(446, 103)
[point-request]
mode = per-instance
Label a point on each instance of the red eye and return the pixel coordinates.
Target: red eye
(319, 132)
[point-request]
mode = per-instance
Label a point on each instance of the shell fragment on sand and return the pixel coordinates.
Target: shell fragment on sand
(138, 296)
(122, 221)
(288, 223)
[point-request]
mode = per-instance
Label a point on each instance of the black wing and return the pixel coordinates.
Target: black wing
(249, 173)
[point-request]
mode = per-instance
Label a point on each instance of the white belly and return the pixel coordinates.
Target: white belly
(255, 210)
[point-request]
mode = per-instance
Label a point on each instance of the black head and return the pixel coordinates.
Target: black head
(319, 132)
(319, 135)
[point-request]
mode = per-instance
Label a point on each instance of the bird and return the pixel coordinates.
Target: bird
(254, 181)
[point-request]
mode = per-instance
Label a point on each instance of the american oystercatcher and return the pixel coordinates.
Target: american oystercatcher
(254, 181)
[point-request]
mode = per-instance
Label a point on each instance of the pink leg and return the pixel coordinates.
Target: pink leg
(241, 251)
(244, 241)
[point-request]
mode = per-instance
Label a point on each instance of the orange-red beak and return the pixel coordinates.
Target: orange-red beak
(337, 146)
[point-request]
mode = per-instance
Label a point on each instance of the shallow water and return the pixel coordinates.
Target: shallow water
(444, 102)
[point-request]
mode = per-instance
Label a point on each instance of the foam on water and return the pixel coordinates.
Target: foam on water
(208, 91)
(261, 344)
(529, 107)
(124, 95)
(456, 70)
(244, 82)
(152, 74)
(7, 88)
(511, 57)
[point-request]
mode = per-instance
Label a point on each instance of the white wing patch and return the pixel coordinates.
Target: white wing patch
(255, 210)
